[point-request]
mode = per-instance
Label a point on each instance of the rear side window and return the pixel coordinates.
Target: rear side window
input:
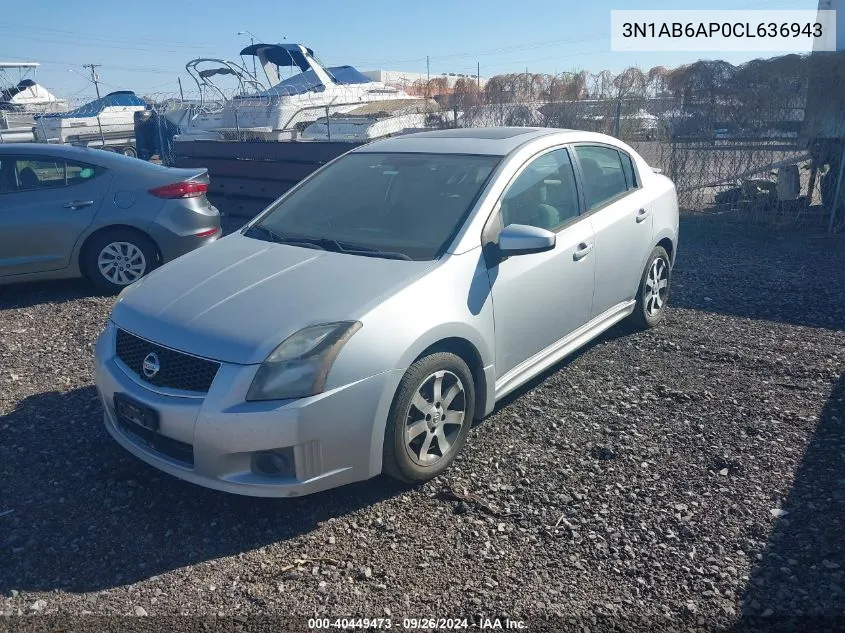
(80, 172)
(33, 173)
(630, 172)
(604, 177)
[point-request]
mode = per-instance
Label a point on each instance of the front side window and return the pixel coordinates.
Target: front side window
(604, 178)
(543, 194)
(407, 206)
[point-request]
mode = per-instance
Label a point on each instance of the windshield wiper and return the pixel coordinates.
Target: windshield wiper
(374, 252)
(329, 244)
(333, 245)
(271, 235)
(278, 238)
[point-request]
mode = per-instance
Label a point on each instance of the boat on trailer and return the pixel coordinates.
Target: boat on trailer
(107, 122)
(21, 99)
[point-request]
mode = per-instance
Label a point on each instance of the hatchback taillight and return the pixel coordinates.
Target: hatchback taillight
(186, 189)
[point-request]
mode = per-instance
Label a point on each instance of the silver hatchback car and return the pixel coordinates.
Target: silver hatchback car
(72, 211)
(361, 322)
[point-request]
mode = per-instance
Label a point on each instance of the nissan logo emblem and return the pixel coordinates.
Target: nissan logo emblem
(151, 365)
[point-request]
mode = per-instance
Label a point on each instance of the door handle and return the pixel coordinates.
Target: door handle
(584, 249)
(642, 214)
(78, 204)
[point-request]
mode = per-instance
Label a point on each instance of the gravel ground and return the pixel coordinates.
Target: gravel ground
(689, 474)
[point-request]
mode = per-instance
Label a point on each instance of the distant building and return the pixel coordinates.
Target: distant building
(414, 83)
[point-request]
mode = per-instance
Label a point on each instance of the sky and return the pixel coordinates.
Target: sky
(144, 45)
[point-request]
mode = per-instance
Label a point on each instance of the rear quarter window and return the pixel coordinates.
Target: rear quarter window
(630, 172)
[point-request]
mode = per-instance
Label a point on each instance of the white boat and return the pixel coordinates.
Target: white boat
(109, 120)
(282, 111)
(21, 98)
(376, 120)
(212, 96)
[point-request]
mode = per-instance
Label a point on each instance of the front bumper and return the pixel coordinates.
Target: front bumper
(211, 439)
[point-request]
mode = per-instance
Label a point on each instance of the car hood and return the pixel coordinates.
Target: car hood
(235, 300)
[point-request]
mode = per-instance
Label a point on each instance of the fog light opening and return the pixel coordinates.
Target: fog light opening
(277, 463)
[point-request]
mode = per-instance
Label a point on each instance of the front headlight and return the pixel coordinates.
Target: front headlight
(299, 366)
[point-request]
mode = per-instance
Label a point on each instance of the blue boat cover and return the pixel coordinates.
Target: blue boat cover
(307, 81)
(280, 54)
(95, 107)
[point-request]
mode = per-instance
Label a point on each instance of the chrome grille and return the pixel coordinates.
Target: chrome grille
(178, 370)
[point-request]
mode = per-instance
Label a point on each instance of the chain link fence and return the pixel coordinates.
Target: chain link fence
(728, 136)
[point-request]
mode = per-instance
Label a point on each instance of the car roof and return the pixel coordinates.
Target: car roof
(493, 141)
(91, 155)
(52, 149)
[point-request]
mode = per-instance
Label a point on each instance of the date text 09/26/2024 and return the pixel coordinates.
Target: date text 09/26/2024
(427, 624)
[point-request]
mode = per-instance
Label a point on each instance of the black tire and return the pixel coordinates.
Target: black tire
(645, 315)
(397, 460)
(129, 151)
(118, 237)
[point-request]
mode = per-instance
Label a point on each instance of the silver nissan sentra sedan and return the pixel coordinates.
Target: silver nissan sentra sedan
(362, 321)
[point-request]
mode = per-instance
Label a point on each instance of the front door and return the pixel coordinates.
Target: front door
(538, 299)
(45, 205)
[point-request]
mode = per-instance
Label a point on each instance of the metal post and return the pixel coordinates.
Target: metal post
(96, 80)
(618, 116)
(478, 75)
(254, 69)
(427, 85)
(181, 94)
(837, 190)
(328, 125)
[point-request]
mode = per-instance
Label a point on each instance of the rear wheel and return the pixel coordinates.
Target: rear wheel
(118, 257)
(430, 418)
(129, 151)
(653, 293)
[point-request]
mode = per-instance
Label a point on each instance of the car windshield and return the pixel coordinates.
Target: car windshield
(404, 206)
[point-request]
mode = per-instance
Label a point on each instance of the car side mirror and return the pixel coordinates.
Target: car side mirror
(521, 239)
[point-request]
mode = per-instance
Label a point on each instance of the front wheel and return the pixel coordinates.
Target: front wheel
(653, 293)
(430, 418)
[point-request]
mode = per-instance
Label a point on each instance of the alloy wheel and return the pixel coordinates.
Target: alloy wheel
(435, 417)
(656, 286)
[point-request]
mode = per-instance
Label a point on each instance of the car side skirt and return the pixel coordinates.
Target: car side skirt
(560, 349)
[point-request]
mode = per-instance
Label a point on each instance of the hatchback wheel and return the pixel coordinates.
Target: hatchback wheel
(430, 418)
(653, 294)
(117, 258)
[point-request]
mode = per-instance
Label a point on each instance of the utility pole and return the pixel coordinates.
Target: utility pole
(478, 75)
(96, 81)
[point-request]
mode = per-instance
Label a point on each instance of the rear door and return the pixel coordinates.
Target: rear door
(620, 210)
(45, 206)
